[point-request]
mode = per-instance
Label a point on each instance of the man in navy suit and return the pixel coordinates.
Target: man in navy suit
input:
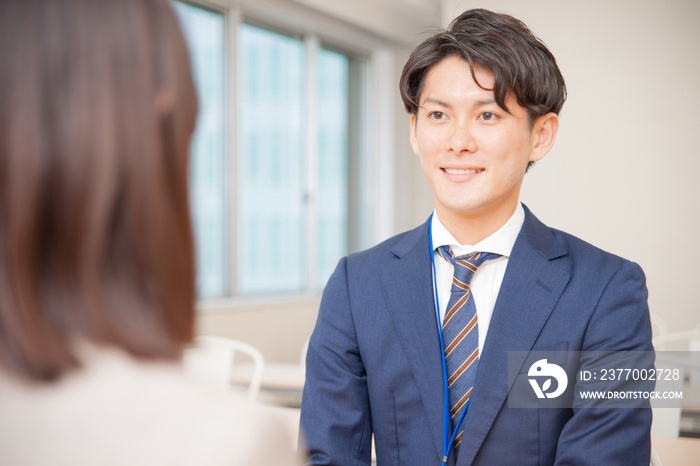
(483, 98)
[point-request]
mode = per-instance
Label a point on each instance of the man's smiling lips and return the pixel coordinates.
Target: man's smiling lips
(458, 175)
(462, 171)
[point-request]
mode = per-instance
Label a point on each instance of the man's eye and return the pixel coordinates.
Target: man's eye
(488, 116)
(437, 115)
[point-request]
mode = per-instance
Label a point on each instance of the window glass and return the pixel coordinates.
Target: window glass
(270, 185)
(204, 32)
(332, 162)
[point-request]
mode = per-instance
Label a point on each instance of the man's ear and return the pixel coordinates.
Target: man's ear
(414, 139)
(544, 133)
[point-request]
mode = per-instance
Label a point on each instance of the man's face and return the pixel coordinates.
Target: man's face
(473, 153)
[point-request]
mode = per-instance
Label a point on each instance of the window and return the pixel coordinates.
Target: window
(276, 185)
(292, 191)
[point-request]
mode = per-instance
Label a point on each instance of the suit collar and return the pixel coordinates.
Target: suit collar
(412, 239)
(540, 237)
(535, 233)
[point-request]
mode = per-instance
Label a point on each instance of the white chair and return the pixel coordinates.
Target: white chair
(689, 343)
(288, 376)
(685, 358)
(658, 325)
(666, 424)
(688, 339)
(282, 383)
(214, 358)
(302, 356)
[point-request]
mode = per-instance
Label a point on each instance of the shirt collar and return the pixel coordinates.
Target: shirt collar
(500, 242)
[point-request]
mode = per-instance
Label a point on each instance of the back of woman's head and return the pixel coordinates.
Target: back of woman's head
(97, 107)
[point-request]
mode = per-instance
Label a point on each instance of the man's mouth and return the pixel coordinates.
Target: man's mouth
(462, 171)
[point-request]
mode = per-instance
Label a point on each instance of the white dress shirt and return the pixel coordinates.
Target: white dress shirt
(486, 282)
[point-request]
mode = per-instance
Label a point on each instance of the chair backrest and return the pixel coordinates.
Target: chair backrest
(655, 458)
(658, 325)
(302, 355)
(681, 341)
(213, 358)
(685, 360)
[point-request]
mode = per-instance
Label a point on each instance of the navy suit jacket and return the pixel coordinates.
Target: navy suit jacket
(374, 363)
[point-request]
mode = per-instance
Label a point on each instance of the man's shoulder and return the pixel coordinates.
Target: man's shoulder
(581, 254)
(396, 245)
(570, 251)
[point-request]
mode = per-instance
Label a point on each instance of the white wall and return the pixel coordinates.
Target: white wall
(624, 172)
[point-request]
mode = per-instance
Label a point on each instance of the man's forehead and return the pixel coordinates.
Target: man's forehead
(453, 71)
(483, 74)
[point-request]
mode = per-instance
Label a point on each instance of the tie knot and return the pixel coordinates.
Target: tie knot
(474, 258)
(465, 266)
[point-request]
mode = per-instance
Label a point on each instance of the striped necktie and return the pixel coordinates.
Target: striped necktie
(460, 330)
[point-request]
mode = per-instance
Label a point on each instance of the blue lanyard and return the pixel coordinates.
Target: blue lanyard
(447, 439)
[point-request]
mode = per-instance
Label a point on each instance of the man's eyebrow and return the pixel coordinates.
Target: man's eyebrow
(485, 101)
(433, 100)
(478, 103)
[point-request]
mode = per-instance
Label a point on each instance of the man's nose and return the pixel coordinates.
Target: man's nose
(462, 138)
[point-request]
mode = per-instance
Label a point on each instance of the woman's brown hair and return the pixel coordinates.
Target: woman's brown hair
(97, 107)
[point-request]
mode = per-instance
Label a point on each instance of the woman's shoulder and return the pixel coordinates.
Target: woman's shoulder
(134, 412)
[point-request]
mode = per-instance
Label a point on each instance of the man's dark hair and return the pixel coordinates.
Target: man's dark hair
(520, 62)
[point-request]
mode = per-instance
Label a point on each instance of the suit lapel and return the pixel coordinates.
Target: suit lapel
(407, 284)
(530, 289)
